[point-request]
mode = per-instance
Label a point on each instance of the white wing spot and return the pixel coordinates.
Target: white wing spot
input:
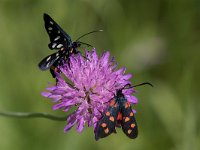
(64, 39)
(59, 45)
(56, 38)
(58, 31)
(50, 22)
(48, 58)
(50, 28)
(48, 64)
(54, 45)
(57, 54)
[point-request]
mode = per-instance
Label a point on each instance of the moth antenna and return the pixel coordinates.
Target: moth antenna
(86, 44)
(83, 56)
(110, 91)
(144, 83)
(88, 33)
(125, 86)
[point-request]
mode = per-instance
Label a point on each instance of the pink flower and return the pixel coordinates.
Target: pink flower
(94, 82)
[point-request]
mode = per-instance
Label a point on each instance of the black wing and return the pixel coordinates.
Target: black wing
(58, 38)
(48, 61)
(128, 123)
(106, 125)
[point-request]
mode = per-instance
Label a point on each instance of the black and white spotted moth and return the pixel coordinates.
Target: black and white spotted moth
(60, 41)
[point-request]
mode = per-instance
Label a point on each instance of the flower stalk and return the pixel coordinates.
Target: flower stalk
(33, 115)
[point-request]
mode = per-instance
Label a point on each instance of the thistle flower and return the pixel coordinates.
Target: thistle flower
(95, 81)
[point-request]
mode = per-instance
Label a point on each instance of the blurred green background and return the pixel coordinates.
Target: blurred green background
(158, 41)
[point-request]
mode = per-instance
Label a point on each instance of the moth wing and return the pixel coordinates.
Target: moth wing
(48, 61)
(128, 123)
(58, 38)
(106, 125)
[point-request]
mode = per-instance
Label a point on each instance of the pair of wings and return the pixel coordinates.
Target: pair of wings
(58, 40)
(117, 113)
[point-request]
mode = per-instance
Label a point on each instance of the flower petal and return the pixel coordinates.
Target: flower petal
(71, 121)
(80, 125)
(127, 76)
(46, 94)
(132, 99)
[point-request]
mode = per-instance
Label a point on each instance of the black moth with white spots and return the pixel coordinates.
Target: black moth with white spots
(58, 40)
(61, 41)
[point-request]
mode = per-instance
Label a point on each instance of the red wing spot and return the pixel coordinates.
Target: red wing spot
(103, 125)
(126, 119)
(106, 130)
(115, 105)
(129, 131)
(107, 113)
(131, 114)
(112, 102)
(127, 105)
(56, 69)
(119, 117)
(112, 118)
(132, 125)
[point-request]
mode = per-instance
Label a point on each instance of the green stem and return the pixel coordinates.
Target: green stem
(33, 115)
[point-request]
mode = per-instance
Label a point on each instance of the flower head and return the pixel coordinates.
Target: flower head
(94, 82)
